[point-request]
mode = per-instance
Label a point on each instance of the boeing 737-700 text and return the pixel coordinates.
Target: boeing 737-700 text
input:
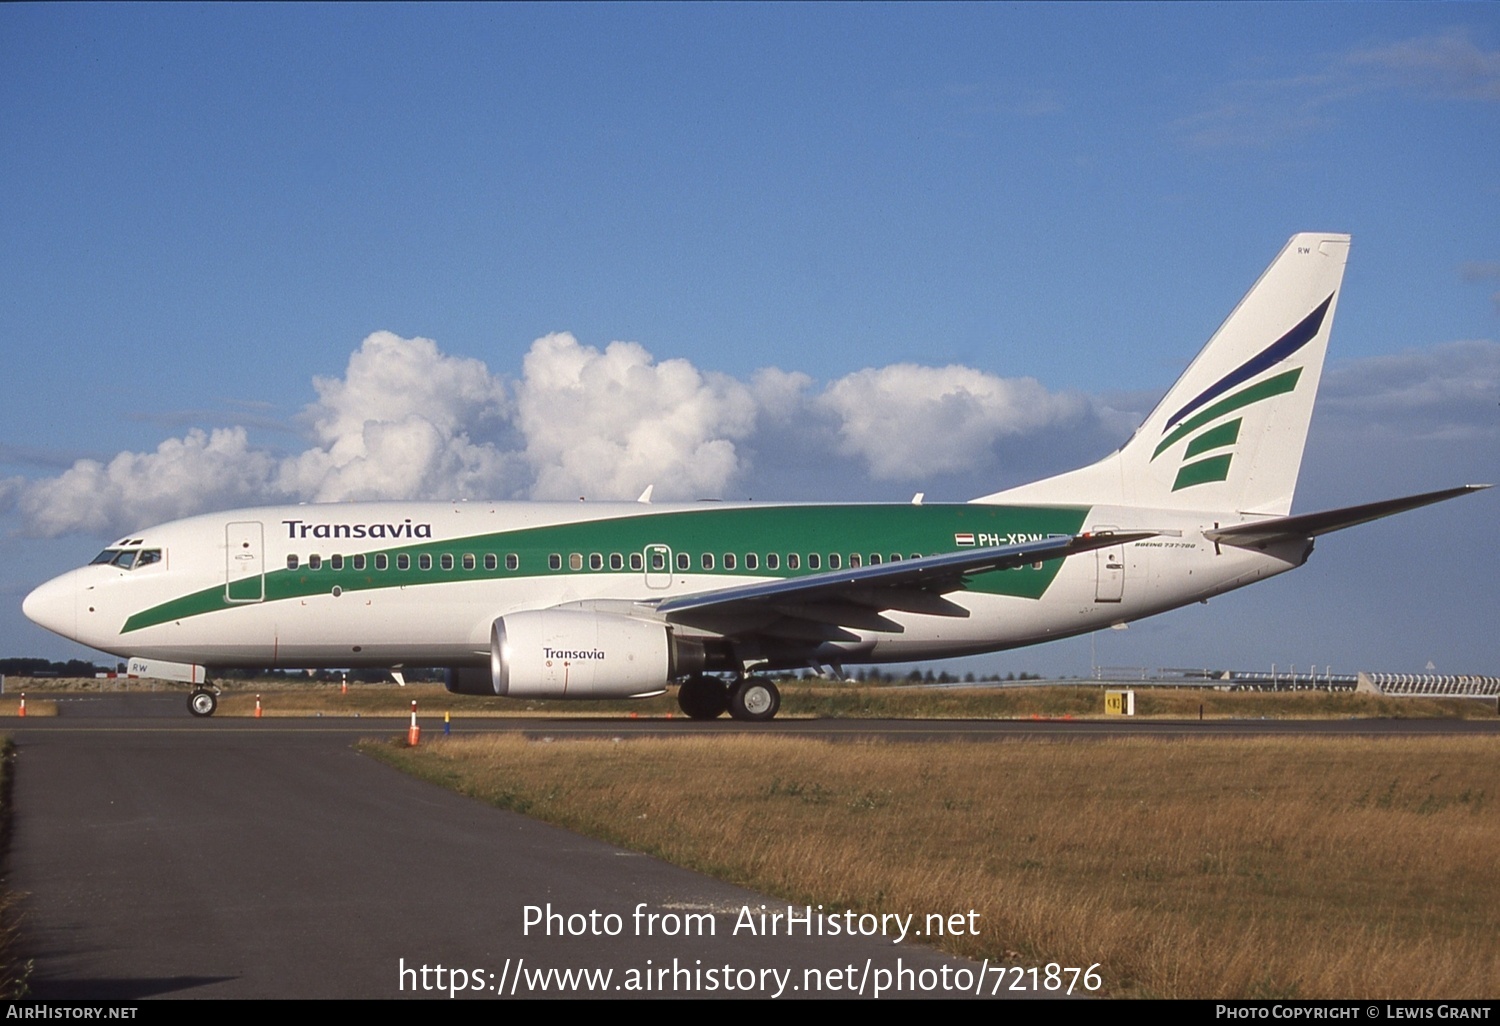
(621, 600)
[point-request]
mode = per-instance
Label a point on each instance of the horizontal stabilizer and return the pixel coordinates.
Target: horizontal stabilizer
(1310, 525)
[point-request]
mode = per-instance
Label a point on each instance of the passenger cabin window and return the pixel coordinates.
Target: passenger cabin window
(729, 561)
(708, 561)
(469, 561)
(834, 561)
(616, 561)
(793, 561)
(382, 561)
(575, 561)
(752, 561)
(424, 561)
(554, 562)
(658, 560)
(512, 561)
(358, 562)
(814, 561)
(490, 562)
(336, 562)
(636, 562)
(291, 562)
(773, 561)
(874, 559)
(684, 561)
(854, 559)
(314, 562)
(403, 561)
(596, 561)
(446, 561)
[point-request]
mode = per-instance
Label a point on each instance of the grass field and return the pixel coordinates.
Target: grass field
(799, 699)
(1307, 867)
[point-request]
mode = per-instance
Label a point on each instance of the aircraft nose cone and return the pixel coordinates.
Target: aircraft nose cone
(54, 605)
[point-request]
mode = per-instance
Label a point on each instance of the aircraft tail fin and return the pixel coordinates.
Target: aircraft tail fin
(1229, 434)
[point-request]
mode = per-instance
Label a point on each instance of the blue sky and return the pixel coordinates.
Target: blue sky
(211, 212)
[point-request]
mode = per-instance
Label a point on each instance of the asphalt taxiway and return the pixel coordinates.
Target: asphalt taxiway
(163, 856)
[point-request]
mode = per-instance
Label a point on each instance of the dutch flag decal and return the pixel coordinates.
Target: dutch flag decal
(963, 540)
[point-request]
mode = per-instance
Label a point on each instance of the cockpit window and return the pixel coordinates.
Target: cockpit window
(127, 559)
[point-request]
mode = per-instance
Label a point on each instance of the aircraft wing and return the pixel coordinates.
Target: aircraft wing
(1310, 525)
(818, 607)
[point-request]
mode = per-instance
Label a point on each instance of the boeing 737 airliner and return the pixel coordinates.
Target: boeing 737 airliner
(621, 600)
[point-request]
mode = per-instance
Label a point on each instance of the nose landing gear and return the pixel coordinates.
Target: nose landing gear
(203, 702)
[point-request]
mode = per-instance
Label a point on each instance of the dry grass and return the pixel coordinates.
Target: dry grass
(1087, 701)
(1209, 868)
(799, 699)
(804, 700)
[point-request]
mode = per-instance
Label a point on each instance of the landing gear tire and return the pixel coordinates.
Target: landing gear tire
(754, 699)
(703, 698)
(202, 703)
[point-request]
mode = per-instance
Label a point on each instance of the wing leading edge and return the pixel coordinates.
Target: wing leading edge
(819, 607)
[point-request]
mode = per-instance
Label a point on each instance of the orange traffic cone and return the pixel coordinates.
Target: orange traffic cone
(257, 707)
(22, 711)
(414, 732)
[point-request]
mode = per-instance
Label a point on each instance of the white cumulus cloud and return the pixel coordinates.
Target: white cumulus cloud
(407, 421)
(908, 422)
(401, 423)
(182, 477)
(607, 424)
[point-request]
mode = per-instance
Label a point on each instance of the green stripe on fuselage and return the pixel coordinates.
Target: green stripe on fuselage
(883, 530)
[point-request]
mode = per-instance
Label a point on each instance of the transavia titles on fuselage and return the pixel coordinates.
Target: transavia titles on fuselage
(621, 600)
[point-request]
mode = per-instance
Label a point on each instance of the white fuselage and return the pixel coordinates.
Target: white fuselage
(222, 592)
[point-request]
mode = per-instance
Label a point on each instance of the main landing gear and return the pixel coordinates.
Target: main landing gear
(754, 699)
(203, 702)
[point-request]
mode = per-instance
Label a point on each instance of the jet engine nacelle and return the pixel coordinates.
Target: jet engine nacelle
(571, 653)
